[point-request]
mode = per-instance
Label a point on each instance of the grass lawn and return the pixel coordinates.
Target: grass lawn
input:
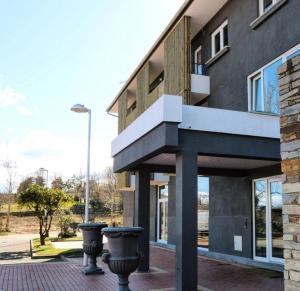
(6, 233)
(48, 250)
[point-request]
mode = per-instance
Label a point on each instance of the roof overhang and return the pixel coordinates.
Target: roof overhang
(200, 11)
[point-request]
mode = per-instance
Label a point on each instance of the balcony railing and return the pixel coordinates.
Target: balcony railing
(198, 69)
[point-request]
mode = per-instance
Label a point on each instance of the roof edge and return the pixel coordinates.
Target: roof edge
(162, 36)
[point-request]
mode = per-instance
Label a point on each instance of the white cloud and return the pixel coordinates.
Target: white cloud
(9, 97)
(23, 110)
(65, 155)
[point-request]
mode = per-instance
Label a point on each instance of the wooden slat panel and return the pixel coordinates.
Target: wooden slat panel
(155, 94)
(123, 180)
(177, 60)
(142, 89)
(122, 108)
(131, 117)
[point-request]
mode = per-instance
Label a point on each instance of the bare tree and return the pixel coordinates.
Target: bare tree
(10, 168)
(110, 194)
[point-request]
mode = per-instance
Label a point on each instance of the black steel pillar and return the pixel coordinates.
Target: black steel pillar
(142, 213)
(186, 221)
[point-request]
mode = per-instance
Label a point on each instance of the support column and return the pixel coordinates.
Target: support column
(186, 221)
(142, 213)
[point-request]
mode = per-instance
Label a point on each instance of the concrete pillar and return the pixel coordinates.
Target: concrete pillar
(186, 221)
(142, 213)
(289, 88)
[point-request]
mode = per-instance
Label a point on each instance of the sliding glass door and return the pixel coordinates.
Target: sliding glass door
(267, 219)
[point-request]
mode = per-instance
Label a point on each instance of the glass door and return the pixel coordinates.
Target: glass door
(267, 219)
(162, 210)
(276, 224)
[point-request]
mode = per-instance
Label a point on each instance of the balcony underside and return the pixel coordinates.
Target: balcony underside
(224, 140)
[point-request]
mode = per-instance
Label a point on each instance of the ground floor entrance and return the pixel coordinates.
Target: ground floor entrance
(235, 216)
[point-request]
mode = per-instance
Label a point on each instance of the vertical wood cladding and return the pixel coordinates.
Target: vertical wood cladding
(123, 180)
(177, 60)
(142, 89)
(122, 107)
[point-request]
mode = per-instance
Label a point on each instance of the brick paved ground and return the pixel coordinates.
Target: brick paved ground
(212, 275)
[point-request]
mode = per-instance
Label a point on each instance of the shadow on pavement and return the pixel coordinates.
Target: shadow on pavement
(14, 255)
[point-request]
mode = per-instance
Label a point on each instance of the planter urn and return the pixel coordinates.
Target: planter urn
(92, 245)
(123, 256)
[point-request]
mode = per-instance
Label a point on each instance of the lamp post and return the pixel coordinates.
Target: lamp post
(79, 108)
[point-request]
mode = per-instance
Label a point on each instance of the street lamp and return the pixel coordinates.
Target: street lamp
(79, 108)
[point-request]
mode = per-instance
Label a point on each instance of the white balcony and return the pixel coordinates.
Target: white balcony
(200, 87)
(169, 108)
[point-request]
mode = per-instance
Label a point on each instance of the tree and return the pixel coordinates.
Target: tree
(10, 168)
(110, 195)
(57, 183)
(25, 184)
(44, 203)
(76, 186)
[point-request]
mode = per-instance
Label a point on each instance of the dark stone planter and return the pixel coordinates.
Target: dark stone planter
(92, 245)
(123, 257)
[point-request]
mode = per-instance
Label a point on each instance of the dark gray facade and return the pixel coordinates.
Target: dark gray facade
(250, 49)
(230, 189)
(230, 214)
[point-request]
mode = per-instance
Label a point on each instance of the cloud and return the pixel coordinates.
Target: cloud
(23, 110)
(65, 155)
(9, 97)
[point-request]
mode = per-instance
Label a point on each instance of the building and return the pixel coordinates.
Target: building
(198, 149)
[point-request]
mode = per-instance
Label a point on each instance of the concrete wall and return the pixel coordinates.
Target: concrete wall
(289, 82)
(128, 214)
(230, 213)
(128, 208)
(172, 211)
(153, 210)
(249, 49)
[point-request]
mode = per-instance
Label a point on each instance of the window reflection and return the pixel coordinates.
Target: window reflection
(271, 92)
(203, 212)
(276, 216)
(260, 218)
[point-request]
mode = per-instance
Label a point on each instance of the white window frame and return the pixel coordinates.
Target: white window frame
(160, 200)
(254, 76)
(269, 257)
(261, 6)
(196, 54)
(220, 30)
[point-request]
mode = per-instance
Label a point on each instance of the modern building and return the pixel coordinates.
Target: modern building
(198, 149)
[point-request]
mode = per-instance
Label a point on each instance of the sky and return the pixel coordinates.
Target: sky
(56, 53)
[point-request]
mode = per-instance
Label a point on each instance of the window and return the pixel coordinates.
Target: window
(198, 67)
(265, 5)
(219, 38)
(264, 89)
(131, 103)
(203, 212)
(267, 219)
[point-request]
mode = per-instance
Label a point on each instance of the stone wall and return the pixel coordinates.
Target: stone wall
(289, 86)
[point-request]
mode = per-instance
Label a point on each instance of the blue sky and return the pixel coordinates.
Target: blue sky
(56, 53)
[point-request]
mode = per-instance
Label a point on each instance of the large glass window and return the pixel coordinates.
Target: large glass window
(264, 85)
(203, 212)
(260, 218)
(268, 228)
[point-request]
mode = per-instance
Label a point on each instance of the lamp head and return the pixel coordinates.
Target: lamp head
(79, 108)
